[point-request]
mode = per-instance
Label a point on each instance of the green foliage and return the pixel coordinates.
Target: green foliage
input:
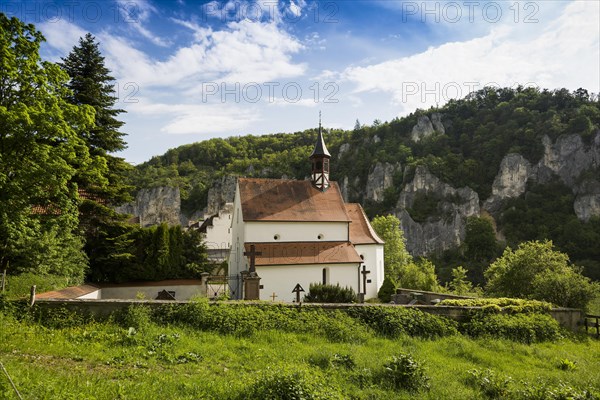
(425, 207)
(394, 322)
(320, 293)
(511, 306)
(42, 152)
(387, 289)
(395, 254)
(137, 317)
(19, 286)
(290, 384)
(492, 385)
(497, 386)
(525, 328)
(181, 362)
(535, 270)
(567, 365)
(546, 212)
(404, 372)
(568, 288)
(419, 275)
(155, 253)
(245, 320)
(459, 283)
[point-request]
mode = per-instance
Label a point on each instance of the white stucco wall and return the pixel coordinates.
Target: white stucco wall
(281, 279)
(182, 292)
(373, 260)
(218, 236)
(95, 295)
(264, 231)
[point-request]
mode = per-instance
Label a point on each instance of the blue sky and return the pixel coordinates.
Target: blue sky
(191, 70)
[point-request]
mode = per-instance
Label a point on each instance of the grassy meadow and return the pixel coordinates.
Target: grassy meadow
(64, 357)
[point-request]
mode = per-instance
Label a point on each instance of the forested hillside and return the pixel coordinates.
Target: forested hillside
(463, 144)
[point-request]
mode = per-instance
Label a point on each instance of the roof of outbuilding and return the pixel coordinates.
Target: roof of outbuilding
(361, 231)
(301, 253)
(290, 200)
(72, 292)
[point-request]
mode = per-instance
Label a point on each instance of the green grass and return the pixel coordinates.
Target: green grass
(107, 361)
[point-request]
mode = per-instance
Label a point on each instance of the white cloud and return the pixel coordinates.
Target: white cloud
(562, 53)
(136, 13)
(244, 52)
(197, 118)
(61, 35)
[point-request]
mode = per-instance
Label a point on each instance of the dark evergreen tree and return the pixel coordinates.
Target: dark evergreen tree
(91, 84)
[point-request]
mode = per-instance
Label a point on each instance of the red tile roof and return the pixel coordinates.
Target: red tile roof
(361, 231)
(69, 293)
(290, 200)
(53, 209)
(299, 253)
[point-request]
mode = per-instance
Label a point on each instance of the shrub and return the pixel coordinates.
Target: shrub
(58, 318)
(566, 288)
(388, 288)
(536, 271)
(319, 293)
(561, 391)
(513, 306)
(396, 321)
(526, 328)
(567, 365)
(134, 316)
(404, 372)
(286, 384)
(492, 385)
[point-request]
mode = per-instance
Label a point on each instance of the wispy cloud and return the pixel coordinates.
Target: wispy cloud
(137, 14)
(242, 52)
(564, 53)
(198, 118)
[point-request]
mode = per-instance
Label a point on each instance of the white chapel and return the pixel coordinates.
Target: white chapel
(288, 232)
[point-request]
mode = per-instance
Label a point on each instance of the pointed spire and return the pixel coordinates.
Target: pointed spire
(320, 147)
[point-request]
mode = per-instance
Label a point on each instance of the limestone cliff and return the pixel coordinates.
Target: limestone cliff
(221, 193)
(426, 127)
(380, 178)
(510, 182)
(155, 205)
(445, 228)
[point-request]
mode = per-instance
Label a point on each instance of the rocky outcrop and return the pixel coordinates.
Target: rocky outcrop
(351, 190)
(444, 230)
(568, 157)
(343, 149)
(154, 206)
(221, 193)
(379, 179)
(510, 182)
(344, 188)
(587, 206)
(587, 202)
(426, 127)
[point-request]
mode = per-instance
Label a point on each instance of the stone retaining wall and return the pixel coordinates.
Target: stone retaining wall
(568, 318)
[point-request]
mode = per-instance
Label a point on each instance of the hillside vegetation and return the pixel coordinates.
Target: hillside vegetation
(237, 352)
(479, 131)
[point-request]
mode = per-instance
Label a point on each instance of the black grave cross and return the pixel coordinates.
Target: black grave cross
(364, 273)
(298, 289)
(252, 254)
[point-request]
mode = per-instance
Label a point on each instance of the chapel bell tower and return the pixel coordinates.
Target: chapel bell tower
(320, 163)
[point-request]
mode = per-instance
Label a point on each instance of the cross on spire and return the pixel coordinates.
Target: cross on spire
(320, 162)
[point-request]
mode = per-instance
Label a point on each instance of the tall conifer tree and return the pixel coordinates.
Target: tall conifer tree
(91, 84)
